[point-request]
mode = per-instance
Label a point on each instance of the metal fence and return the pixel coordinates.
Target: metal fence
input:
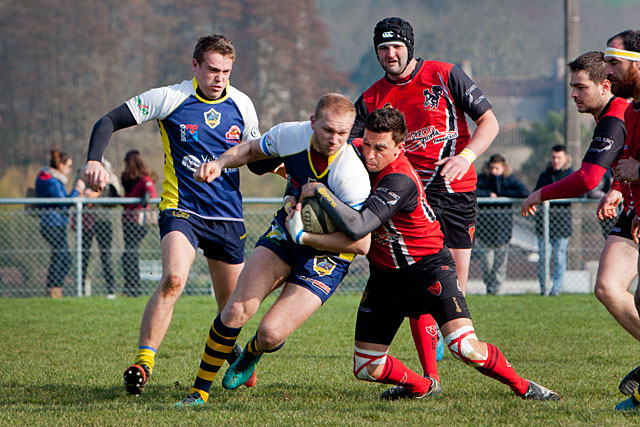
(95, 254)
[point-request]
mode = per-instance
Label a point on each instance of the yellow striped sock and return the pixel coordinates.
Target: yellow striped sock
(203, 394)
(146, 355)
(220, 342)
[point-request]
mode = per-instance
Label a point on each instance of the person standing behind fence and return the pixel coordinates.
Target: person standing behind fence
(559, 167)
(137, 181)
(495, 222)
(98, 222)
(54, 219)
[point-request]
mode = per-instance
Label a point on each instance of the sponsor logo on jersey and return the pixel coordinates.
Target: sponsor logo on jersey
(323, 265)
(432, 97)
(255, 132)
(325, 195)
(386, 237)
(436, 288)
(188, 132)
(605, 144)
(233, 133)
(144, 109)
(212, 118)
(430, 135)
(316, 284)
(390, 198)
(191, 162)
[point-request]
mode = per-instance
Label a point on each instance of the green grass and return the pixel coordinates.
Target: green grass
(61, 364)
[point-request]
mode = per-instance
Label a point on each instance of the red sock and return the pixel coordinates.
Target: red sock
(396, 373)
(425, 336)
(499, 368)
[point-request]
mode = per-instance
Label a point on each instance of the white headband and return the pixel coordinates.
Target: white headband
(629, 55)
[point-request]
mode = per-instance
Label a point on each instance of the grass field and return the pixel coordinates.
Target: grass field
(61, 363)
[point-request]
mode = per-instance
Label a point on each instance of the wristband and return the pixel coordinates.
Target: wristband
(469, 155)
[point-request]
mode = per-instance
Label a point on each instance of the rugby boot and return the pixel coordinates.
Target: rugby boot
(136, 378)
(395, 393)
(194, 399)
(241, 370)
(537, 392)
(233, 356)
(630, 404)
(630, 382)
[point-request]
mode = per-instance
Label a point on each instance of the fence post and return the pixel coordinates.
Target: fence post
(547, 245)
(79, 230)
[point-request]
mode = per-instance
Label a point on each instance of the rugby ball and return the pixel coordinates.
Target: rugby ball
(314, 219)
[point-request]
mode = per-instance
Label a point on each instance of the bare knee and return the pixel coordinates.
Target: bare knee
(605, 291)
(269, 336)
(172, 285)
(237, 314)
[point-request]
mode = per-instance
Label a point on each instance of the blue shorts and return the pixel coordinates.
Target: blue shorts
(319, 272)
(219, 240)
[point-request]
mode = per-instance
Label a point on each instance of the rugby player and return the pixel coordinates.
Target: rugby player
(622, 56)
(312, 151)
(412, 272)
(435, 98)
(199, 119)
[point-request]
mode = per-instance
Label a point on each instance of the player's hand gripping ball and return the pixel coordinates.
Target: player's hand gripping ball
(314, 218)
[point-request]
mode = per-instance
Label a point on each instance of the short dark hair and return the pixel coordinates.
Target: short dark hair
(559, 148)
(630, 40)
(387, 119)
(214, 43)
(592, 63)
(497, 158)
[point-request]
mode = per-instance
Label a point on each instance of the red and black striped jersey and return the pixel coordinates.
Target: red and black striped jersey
(435, 100)
(409, 229)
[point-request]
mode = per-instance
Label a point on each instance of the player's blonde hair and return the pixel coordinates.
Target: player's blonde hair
(337, 103)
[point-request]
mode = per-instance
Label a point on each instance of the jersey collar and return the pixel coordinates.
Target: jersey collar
(410, 77)
(208, 101)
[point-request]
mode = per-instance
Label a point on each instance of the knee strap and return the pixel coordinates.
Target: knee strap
(363, 358)
(460, 345)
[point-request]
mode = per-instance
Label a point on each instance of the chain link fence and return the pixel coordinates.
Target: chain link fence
(96, 253)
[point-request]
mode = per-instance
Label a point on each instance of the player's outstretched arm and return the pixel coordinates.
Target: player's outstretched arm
(234, 157)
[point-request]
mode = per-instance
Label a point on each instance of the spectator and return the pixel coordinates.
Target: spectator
(559, 222)
(98, 222)
(137, 181)
(51, 182)
(495, 221)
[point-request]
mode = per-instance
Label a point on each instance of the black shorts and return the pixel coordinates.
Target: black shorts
(622, 227)
(219, 240)
(456, 213)
(428, 286)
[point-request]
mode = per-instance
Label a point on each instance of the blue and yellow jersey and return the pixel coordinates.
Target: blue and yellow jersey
(345, 174)
(195, 130)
